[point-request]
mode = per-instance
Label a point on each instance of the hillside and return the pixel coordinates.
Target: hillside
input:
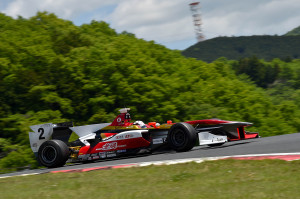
(54, 71)
(294, 32)
(235, 48)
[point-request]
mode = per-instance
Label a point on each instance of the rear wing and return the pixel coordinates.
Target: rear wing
(61, 131)
(43, 132)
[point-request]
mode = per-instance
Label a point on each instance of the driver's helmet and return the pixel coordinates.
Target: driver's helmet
(140, 123)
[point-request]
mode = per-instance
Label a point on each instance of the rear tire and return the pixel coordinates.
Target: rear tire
(53, 153)
(182, 137)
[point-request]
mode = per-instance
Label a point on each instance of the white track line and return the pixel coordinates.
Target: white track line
(28, 174)
(199, 160)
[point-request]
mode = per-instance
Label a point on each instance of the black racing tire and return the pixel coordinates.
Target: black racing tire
(53, 153)
(182, 137)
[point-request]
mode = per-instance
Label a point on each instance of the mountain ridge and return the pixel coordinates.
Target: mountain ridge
(234, 48)
(294, 32)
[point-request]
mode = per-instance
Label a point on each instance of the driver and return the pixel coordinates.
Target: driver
(139, 123)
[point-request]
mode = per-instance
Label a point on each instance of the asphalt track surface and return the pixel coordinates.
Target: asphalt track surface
(289, 143)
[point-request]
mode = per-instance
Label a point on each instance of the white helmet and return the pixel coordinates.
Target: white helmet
(140, 123)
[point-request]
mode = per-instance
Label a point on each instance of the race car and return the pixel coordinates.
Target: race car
(50, 142)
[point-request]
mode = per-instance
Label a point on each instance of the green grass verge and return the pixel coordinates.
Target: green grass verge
(212, 179)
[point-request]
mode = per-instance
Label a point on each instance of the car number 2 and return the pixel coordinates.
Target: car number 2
(42, 131)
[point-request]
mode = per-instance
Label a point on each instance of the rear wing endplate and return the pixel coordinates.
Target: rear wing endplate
(42, 133)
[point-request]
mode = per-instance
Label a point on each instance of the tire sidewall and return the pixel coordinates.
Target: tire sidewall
(182, 137)
(53, 153)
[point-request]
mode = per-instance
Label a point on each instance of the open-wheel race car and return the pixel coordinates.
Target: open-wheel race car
(50, 142)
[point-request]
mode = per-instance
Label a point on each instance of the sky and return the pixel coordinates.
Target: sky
(169, 22)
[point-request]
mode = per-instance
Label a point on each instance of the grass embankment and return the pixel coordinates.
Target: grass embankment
(214, 179)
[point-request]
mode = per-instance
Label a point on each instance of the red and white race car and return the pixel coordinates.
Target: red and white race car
(50, 142)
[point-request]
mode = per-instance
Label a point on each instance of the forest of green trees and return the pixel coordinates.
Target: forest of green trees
(54, 71)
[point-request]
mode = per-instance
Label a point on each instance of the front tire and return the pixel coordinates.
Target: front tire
(53, 153)
(182, 137)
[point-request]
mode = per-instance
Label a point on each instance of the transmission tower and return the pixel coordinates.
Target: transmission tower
(195, 8)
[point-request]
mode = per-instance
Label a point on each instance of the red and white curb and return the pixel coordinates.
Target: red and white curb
(280, 156)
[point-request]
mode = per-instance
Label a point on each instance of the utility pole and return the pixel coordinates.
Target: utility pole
(195, 9)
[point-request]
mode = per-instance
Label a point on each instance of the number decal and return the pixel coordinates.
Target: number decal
(41, 130)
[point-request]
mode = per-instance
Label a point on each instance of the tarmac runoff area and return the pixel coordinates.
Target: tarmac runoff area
(278, 156)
